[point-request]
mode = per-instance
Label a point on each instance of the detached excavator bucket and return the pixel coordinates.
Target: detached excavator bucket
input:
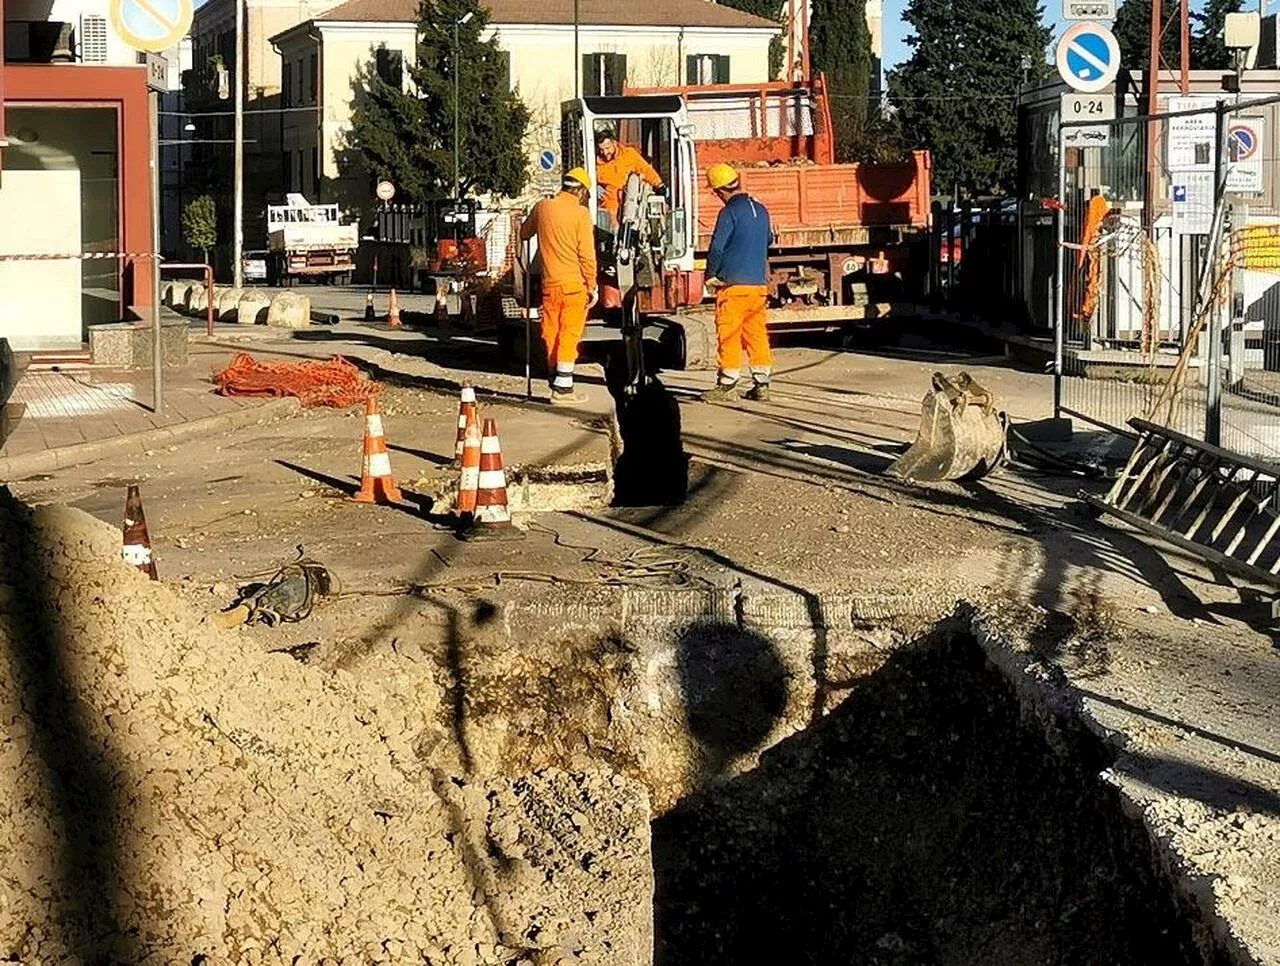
(961, 436)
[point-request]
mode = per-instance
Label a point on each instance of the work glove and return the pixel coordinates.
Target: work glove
(592, 298)
(660, 191)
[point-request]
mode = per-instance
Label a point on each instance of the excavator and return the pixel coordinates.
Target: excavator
(650, 313)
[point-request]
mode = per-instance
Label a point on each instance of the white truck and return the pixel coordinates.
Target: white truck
(307, 240)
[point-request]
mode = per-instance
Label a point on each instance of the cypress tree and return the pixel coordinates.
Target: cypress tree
(840, 46)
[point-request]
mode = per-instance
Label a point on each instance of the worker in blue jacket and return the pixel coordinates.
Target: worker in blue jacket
(738, 269)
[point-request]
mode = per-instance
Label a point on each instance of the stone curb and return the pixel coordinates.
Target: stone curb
(14, 468)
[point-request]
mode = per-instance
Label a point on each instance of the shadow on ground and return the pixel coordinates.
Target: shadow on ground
(923, 821)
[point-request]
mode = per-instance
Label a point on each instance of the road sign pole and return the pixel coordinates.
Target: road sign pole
(157, 342)
(1213, 307)
(237, 229)
(1059, 289)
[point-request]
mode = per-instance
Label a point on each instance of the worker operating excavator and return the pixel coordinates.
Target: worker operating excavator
(566, 245)
(615, 162)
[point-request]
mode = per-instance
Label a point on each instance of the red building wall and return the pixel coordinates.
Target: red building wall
(125, 89)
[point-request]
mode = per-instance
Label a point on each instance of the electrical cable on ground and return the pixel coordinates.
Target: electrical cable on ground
(1053, 462)
(646, 567)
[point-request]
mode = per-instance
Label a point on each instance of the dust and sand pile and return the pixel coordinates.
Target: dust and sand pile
(169, 793)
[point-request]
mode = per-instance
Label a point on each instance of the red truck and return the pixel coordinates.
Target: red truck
(852, 239)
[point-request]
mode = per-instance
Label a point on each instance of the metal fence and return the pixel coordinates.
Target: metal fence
(1155, 300)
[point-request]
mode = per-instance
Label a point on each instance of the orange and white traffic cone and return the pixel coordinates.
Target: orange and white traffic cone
(491, 519)
(469, 480)
(393, 311)
(137, 542)
(466, 409)
(377, 485)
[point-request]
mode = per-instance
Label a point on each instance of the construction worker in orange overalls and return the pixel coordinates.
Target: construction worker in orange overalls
(566, 245)
(614, 164)
(738, 271)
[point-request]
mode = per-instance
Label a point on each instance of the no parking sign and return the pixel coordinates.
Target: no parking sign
(1246, 142)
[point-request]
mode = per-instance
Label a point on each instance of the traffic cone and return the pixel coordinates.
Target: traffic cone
(466, 409)
(469, 480)
(393, 311)
(369, 314)
(137, 542)
(491, 519)
(377, 485)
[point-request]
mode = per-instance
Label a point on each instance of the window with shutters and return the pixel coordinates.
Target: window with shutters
(314, 78)
(390, 67)
(707, 69)
(286, 85)
(603, 75)
(93, 38)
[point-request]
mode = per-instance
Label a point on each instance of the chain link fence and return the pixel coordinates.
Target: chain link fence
(1163, 252)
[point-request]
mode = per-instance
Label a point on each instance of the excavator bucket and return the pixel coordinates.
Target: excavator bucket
(961, 436)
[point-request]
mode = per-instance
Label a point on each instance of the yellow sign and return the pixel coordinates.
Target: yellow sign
(151, 25)
(1257, 247)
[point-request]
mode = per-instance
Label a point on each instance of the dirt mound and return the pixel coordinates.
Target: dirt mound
(168, 793)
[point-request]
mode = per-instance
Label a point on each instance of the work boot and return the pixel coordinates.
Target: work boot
(758, 392)
(722, 393)
(567, 397)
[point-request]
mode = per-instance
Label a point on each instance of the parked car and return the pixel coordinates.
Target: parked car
(254, 266)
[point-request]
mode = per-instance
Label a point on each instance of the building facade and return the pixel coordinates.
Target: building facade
(619, 44)
(208, 99)
(74, 174)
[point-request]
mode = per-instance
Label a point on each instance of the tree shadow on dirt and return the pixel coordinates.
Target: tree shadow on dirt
(87, 816)
(923, 820)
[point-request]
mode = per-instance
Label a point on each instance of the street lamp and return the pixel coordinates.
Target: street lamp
(457, 113)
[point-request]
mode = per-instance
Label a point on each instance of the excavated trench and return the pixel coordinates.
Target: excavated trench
(927, 817)
(924, 820)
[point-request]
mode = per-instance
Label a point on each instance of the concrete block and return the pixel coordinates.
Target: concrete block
(253, 307)
(228, 303)
(197, 299)
(290, 310)
(124, 345)
(180, 291)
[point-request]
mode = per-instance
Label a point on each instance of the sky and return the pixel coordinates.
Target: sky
(895, 30)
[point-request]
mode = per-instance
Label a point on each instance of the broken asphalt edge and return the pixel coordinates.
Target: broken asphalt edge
(798, 620)
(15, 468)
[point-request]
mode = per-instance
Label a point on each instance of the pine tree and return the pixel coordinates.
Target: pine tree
(957, 93)
(1208, 51)
(840, 46)
(406, 136)
(1133, 33)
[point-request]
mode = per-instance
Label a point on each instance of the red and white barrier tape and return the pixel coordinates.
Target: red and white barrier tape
(53, 256)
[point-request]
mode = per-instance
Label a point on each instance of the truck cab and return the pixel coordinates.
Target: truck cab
(658, 127)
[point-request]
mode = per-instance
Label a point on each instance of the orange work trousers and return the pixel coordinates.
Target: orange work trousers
(564, 316)
(740, 323)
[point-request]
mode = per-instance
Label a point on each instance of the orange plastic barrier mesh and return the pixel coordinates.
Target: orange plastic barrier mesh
(334, 383)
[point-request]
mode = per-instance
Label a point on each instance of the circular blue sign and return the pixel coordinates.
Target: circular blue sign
(1241, 145)
(547, 160)
(151, 25)
(1088, 57)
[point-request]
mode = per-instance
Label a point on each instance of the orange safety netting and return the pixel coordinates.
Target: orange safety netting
(334, 383)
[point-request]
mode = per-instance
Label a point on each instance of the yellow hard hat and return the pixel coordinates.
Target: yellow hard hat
(576, 177)
(721, 175)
